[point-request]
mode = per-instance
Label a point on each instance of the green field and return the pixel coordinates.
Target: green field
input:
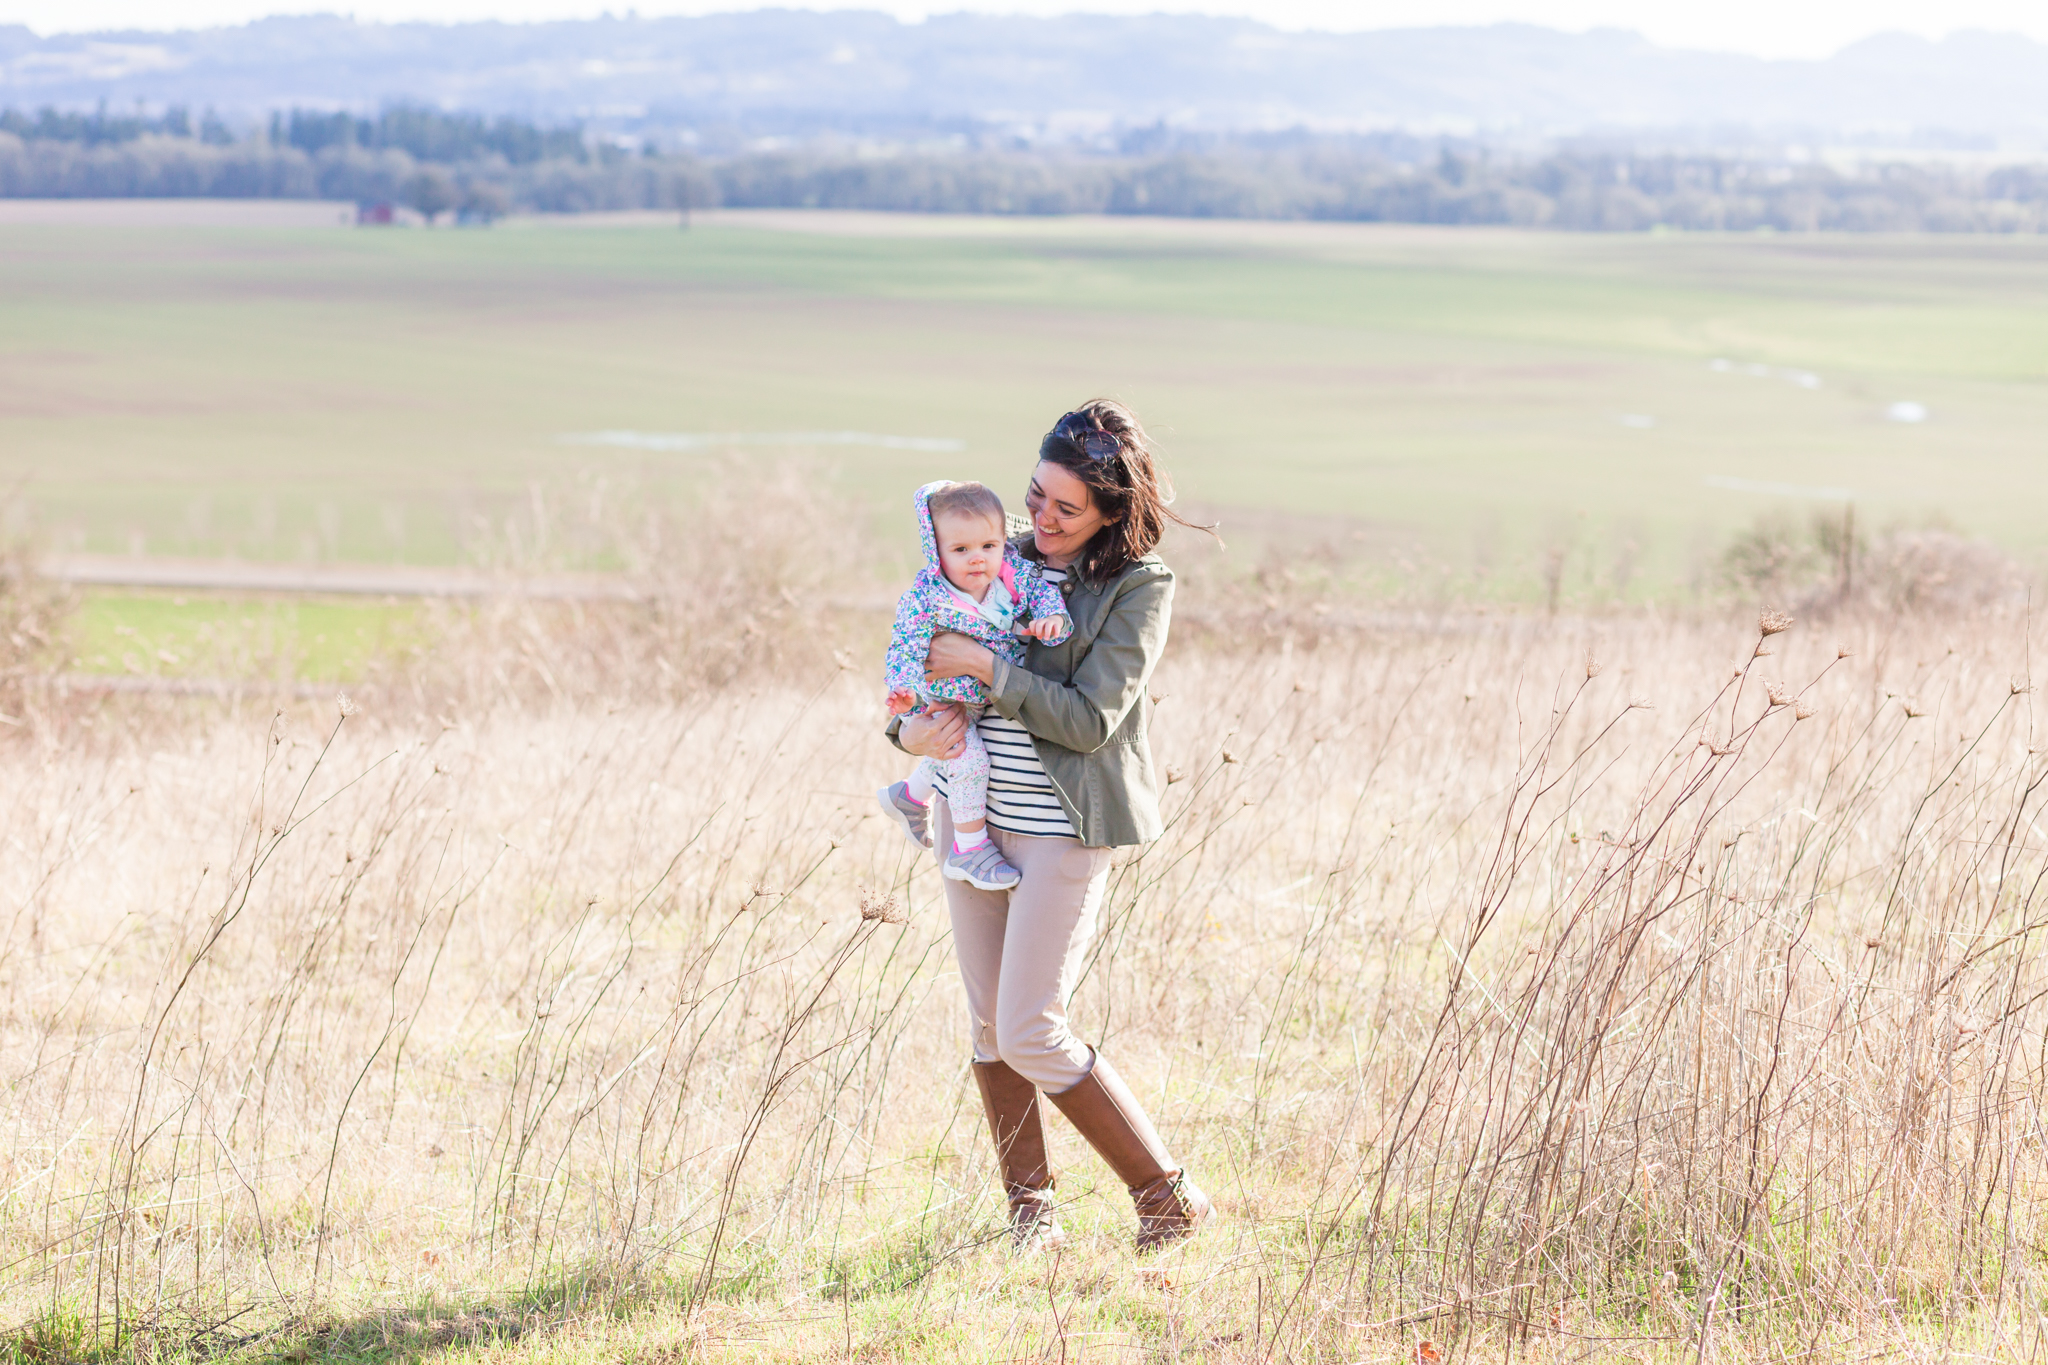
(1477, 395)
(173, 634)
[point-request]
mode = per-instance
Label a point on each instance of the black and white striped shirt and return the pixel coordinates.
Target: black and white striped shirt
(1021, 799)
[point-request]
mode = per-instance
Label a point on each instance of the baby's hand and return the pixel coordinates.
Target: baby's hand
(900, 702)
(1045, 628)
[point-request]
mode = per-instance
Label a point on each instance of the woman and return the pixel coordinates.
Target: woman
(1071, 780)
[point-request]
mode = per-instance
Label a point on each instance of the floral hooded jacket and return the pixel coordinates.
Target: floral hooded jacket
(933, 605)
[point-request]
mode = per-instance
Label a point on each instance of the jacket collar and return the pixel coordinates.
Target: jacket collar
(1074, 582)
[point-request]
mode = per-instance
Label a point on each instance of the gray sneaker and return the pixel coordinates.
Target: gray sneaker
(982, 868)
(915, 819)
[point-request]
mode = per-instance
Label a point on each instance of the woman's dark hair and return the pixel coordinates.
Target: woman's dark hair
(1102, 444)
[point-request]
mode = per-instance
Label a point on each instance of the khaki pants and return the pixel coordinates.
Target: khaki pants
(1021, 951)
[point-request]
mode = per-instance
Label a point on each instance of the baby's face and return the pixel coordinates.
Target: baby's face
(970, 552)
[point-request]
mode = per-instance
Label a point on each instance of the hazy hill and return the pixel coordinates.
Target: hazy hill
(1052, 78)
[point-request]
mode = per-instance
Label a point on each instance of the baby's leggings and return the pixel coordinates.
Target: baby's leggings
(964, 778)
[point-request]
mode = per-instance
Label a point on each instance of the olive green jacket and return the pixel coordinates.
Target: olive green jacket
(1085, 704)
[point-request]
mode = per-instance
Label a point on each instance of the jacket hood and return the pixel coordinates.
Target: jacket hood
(921, 500)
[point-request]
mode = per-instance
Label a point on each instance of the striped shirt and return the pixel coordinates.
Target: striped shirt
(1021, 799)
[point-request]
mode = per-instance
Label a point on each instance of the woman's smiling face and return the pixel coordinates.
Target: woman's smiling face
(1064, 517)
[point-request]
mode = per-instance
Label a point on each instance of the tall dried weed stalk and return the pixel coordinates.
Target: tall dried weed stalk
(1668, 984)
(30, 609)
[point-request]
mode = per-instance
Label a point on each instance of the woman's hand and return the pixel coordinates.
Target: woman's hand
(956, 656)
(939, 732)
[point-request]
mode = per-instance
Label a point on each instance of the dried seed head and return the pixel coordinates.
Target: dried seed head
(1593, 665)
(2019, 687)
(1841, 651)
(1778, 694)
(1229, 757)
(1174, 775)
(345, 705)
(880, 906)
(1761, 650)
(1913, 712)
(1771, 621)
(1640, 704)
(1803, 710)
(1874, 941)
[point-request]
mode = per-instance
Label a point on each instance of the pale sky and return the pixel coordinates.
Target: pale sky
(1768, 28)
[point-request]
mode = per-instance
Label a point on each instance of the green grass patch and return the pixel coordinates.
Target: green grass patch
(168, 634)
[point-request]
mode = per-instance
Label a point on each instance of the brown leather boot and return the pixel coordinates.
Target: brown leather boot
(1105, 1112)
(1017, 1124)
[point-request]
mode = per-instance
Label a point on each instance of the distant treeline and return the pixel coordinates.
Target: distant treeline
(429, 135)
(101, 128)
(1583, 191)
(425, 158)
(436, 162)
(1590, 191)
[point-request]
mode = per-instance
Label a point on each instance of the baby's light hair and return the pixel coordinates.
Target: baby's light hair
(957, 499)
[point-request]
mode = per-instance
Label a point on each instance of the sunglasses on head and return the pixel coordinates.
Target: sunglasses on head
(1094, 442)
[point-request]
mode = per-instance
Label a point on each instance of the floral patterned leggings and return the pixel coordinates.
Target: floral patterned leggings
(965, 777)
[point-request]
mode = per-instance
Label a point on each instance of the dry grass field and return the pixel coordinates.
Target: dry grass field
(1604, 987)
(1548, 958)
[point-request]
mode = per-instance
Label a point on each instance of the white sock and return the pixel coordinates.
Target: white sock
(920, 784)
(964, 842)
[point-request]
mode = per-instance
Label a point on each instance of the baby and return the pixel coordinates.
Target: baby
(973, 583)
